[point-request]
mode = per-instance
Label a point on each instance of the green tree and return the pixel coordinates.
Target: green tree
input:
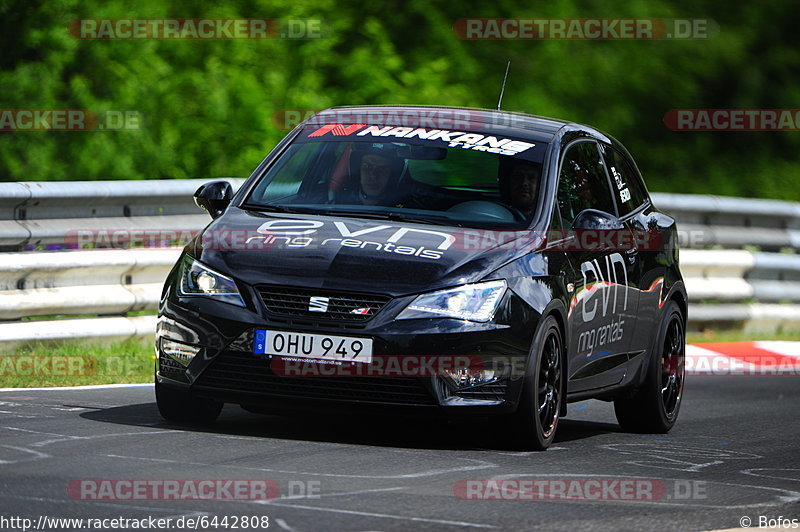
(211, 108)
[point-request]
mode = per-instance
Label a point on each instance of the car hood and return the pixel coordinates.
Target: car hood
(372, 255)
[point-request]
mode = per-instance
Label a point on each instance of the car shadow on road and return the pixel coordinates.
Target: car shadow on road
(383, 431)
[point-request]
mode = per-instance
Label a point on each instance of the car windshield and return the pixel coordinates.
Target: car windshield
(441, 177)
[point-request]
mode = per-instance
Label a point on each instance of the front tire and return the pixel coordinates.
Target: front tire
(179, 406)
(533, 426)
(654, 407)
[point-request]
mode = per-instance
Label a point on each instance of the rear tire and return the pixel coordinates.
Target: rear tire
(179, 406)
(533, 425)
(654, 407)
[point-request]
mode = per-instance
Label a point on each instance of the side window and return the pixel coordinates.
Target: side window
(582, 183)
(629, 192)
(305, 160)
(280, 181)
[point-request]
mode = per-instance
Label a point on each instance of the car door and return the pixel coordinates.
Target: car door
(638, 215)
(603, 305)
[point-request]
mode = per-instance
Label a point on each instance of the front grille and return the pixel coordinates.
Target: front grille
(488, 392)
(341, 306)
(245, 372)
(167, 366)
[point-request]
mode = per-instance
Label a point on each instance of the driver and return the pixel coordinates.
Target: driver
(379, 170)
(519, 182)
(375, 174)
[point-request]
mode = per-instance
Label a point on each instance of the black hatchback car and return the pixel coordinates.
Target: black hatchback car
(454, 261)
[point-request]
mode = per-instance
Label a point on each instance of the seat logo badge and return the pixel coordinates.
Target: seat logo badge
(318, 304)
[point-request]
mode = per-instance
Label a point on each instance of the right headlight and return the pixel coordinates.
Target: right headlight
(197, 279)
(472, 302)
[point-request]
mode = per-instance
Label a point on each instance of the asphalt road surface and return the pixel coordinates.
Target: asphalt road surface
(734, 453)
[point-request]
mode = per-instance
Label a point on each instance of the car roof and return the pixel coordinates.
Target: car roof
(509, 123)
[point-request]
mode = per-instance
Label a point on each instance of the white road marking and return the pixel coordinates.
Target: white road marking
(752, 472)
(36, 455)
(677, 457)
(431, 473)
(525, 453)
(102, 503)
(281, 523)
(336, 494)
(67, 437)
(32, 431)
(788, 496)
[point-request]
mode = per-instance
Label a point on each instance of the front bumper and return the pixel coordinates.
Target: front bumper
(226, 368)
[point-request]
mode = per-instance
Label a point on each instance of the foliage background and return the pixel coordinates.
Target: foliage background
(208, 106)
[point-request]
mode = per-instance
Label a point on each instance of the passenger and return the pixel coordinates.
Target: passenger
(575, 189)
(519, 183)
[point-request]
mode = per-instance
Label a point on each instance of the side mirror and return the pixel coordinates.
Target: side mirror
(214, 197)
(593, 220)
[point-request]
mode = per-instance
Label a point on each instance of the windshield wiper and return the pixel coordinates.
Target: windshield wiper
(277, 208)
(393, 216)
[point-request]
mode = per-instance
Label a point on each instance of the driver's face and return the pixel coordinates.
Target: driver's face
(375, 173)
(523, 182)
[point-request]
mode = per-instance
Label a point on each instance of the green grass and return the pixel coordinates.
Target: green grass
(76, 364)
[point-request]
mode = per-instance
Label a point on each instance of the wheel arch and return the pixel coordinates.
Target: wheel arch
(679, 296)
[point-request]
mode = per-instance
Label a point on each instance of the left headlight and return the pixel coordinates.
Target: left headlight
(472, 302)
(197, 279)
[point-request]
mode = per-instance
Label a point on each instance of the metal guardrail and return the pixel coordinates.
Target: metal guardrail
(114, 328)
(727, 287)
(115, 281)
(42, 213)
(737, 275)
(770, 225)
(45, 213)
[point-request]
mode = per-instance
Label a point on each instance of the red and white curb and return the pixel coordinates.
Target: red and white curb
(743, 358)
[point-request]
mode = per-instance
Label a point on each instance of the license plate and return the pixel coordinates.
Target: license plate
(318, 346)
